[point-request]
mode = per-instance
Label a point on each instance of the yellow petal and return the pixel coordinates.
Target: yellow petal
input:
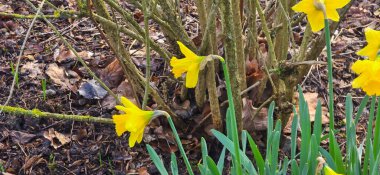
(140, 136)
(336, 4)
(306, 6)
(192, 75)
(332, 14)
(360, 66)
(369, 51)
(180, 66)
(329, 171)
(373, 46)
(119, 121)
(127, 103)
(316, 20)
(122, 108)
(186, 51)
(132, 139)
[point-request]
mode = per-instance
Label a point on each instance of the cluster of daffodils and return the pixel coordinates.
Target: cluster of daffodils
(369, 69)
(133, 119)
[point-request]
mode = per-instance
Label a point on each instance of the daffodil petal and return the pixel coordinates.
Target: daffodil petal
(328, 171)
(127, 103)
(122, 108)
(119, 121)
(132, 139)
(304, 6)
(360, 66)
(336, 4)
(369, 51)
(192, 75)
(180, 66)
(186, 51)
(332, 14)
(316, 20)
(140, 136)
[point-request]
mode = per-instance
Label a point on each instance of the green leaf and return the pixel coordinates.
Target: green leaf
(212, 166)
(257, 155)
(247, 164)
(295, 168)
(294, 135)
(173, 164)
(361, 108)
(329, 159)
(368, 138)
(204, 153)
(156, 160)
(221, 160)
(318, 123)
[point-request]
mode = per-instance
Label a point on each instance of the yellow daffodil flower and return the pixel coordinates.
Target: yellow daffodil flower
(189, 64)
(133, 120)
(314, 10)
(328, 171)
(372, 50)
(368, 79)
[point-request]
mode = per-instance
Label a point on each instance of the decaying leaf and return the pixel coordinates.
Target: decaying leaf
(21, 137)
(33, 69)
(57, 75)
(312, 100)
(57, 139)
(112, 75)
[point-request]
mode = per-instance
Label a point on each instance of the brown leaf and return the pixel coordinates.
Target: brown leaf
(57, 139)
(32, 161)
(312, 100)
(63, 55)
(21, 137)
(112, 75)
(124, 89)
(33, 69)
(57, 75)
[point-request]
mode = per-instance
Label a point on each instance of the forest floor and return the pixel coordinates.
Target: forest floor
(47, 146)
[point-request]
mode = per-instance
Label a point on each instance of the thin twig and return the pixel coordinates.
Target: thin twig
(19, 57)
(40, 114)
(77, 55)
(147, 52)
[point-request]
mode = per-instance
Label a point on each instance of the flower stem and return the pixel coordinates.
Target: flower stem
(178, 140)
(330, 74)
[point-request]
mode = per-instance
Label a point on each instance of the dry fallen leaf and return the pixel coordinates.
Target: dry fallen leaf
(33, 69)
(312, 100)
(21, 137)
(56, 139)
(57, 75)
(32, 161)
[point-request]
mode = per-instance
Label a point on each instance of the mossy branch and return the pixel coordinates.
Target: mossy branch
(20, 16)
(264, 25)
(40, 114)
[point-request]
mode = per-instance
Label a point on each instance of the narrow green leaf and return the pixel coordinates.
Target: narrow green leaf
(318, 123)
(294, 134)
(244, 140)
(204, 151)
(212, 166)
(295, 168)
(247, 164)
(221, 160)
(361, 108)
(173, 164)
(368, 138)
(257, 155)
(329, 159)
(156, 160)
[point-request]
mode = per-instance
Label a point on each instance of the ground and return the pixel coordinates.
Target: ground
(41, 146)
